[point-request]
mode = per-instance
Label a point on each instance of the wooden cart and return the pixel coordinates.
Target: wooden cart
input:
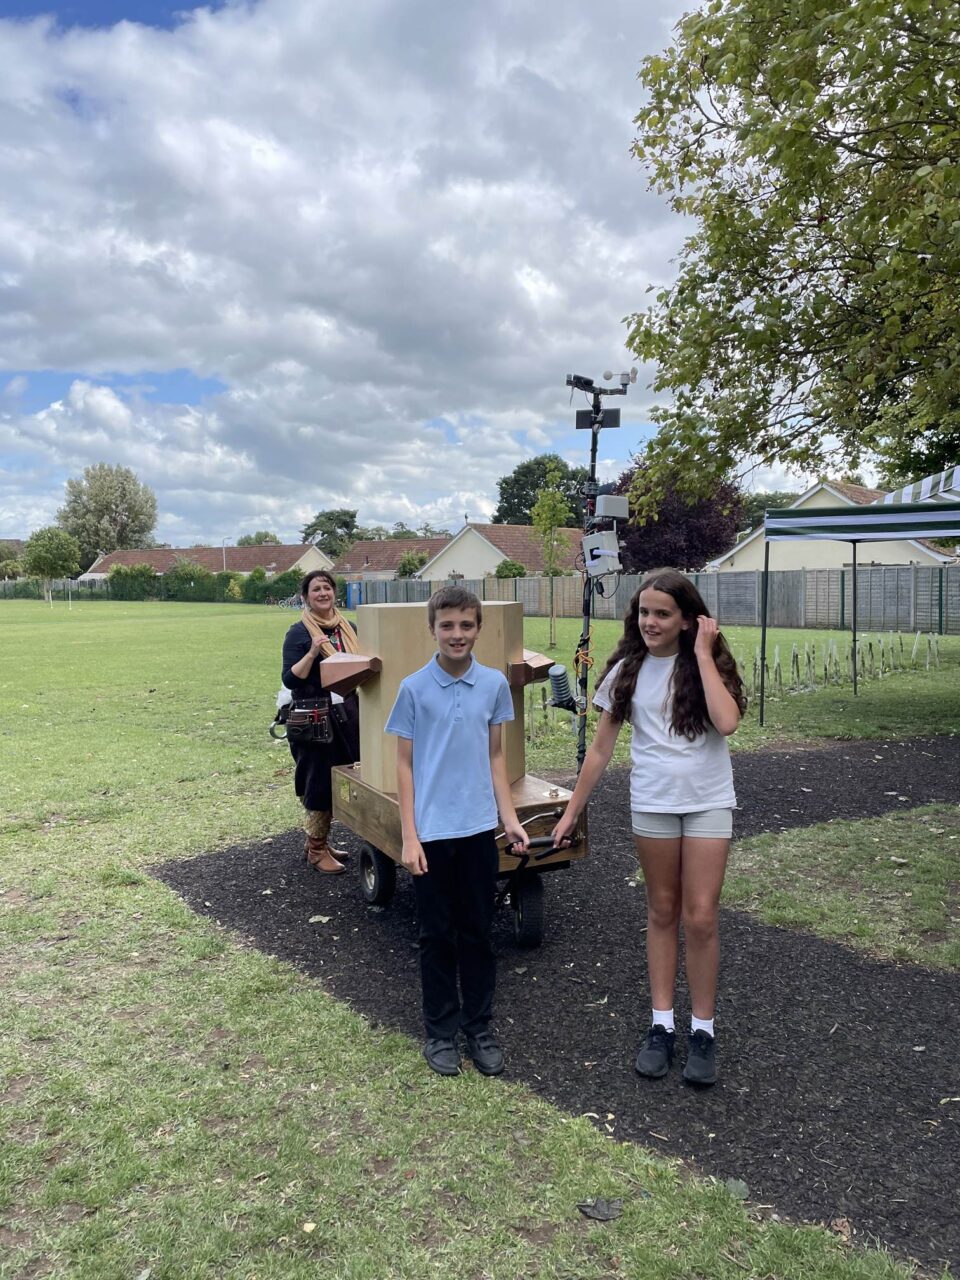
(397, 642)
(375, 816)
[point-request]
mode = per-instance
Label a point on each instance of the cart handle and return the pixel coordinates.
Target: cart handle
(544, 844)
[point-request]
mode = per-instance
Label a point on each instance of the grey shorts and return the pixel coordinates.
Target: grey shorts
(708, 824)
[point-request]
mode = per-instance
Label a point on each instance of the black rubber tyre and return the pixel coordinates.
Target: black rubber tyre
(378, 876)
(526, 898)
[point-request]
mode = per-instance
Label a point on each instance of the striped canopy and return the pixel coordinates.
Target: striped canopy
(876, 523)
(943, 487)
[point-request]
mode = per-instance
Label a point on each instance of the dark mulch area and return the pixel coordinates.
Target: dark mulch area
(833, 1065)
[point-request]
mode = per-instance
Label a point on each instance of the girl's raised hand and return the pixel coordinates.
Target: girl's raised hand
(706, 637)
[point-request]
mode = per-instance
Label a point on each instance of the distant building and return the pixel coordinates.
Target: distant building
(243, 560)
(477, 549)
(377, 560)
(822, 554)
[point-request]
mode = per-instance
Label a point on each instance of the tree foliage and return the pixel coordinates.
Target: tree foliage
(755, 504)
(11, 568)
(108, 509)
(259, 539)
(410, 563)
(133, 582)
(682, 534)
(521, 488)
(815, 317)
(332, 531)
(51, 553)
(510, 569)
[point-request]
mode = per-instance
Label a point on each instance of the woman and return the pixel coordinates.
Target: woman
(674, 679)
(321, 631)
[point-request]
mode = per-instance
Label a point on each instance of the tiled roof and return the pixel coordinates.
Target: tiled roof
(272, 558)
(384, 556)
(522, 542)
(857, 493)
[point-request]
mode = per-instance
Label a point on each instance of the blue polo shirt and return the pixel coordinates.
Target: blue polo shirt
(448, 720)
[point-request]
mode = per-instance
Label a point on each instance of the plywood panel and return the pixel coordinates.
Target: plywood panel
(399, 636)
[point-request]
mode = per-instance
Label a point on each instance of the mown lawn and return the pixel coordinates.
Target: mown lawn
(175, 1105)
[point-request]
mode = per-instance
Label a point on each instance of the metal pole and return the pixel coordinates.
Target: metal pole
(582, 658)
(763, 625)
(853, 610)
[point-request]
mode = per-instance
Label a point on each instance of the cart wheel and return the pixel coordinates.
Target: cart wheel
(378, 876)
(526, 898)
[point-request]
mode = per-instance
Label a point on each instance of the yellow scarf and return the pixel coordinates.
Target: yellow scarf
(318, 632)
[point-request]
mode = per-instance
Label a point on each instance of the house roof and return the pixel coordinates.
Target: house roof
(17, 543)
(520, 542)
(384, 555)
(270, 557)
(856, 493)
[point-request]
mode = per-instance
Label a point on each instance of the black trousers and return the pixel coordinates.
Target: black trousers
(455, 913)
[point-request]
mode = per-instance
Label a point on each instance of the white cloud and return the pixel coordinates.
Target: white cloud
(360, 221)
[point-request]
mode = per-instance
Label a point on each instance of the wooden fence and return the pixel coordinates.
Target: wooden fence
(889, 598)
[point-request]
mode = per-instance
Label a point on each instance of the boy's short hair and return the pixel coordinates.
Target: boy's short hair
(453, 598)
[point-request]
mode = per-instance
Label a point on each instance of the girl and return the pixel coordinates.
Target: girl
(673, 677)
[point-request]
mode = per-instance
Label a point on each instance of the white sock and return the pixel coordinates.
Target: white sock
(663, 1018)
(701, 1024)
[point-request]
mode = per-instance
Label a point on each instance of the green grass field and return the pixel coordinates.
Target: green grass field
(174, 1105)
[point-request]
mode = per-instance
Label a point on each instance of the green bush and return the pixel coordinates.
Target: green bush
(189, 581)
(28, 589)
(133, 582)
(255, 586)
(510, 569)
(285, 584)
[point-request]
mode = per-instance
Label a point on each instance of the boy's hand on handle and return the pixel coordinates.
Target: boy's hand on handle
(413, 858)
(707, 631)
(516, 835)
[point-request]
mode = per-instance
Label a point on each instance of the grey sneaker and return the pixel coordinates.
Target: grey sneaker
(701, 1065)
(656, 1053)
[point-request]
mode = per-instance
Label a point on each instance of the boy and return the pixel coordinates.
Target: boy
(451, 780)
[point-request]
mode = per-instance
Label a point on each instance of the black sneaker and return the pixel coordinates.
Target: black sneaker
(443, 1057)
(656, 1053)
(486, 1053)
(701, 1065)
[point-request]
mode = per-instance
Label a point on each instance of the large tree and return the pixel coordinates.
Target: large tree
(262, 537)
(815, 316)
(51, 553)
(108, 509)
(332, 531)
(755, 504)
(521, 488)
(682, 534)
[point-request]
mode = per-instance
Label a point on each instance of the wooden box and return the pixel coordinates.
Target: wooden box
(399, 636)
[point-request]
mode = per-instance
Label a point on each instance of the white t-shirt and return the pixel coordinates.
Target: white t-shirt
(669, 773)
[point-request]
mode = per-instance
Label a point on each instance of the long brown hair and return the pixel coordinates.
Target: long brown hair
(689, 716)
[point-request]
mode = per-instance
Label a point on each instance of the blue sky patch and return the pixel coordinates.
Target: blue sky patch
(175, 386)
(103, 13)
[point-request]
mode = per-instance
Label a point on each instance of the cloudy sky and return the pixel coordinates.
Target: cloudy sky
(295, 254)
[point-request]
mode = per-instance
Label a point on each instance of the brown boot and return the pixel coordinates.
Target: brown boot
(320, 827)
(320, 857)
(317, 848)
